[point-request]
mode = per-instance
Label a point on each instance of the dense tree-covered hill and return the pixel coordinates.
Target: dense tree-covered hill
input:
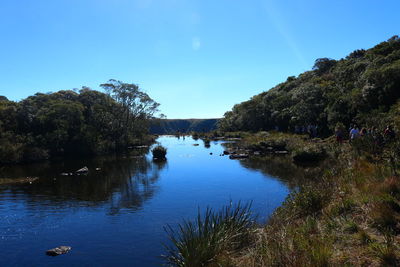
(74, 123)
(172, 126)
(360, 88)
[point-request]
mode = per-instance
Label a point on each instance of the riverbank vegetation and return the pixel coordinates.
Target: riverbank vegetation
(348, 214)
(205, 241)
(361, 88)
(75, 122)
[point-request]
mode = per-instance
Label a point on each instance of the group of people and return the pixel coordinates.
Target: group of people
(380, 137)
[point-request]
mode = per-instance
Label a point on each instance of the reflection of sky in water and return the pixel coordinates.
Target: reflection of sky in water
(116, 216)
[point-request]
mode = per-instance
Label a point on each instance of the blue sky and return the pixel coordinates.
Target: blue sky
(196, 58)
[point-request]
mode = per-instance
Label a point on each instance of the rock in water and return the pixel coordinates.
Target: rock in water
(83, 170)
(58, 251)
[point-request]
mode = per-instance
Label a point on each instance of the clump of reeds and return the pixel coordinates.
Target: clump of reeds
(205, 241)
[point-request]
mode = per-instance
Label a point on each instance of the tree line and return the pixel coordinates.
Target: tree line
(362, 88)
(74, 122)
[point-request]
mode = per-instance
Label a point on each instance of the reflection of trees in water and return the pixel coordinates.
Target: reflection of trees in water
(283, 168)
(125, 182)
(138, 188)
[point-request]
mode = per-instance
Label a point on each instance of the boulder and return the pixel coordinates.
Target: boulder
(83, 170)
(58, 250)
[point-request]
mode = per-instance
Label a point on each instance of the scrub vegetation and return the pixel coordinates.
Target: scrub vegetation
(361, 88)
(349, 214)
(75, 122)
(207, 240)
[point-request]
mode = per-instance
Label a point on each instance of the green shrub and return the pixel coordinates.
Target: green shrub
(10, 152)
(345, 206)
(32, 154)
(159, 152)
(308, 201)
(351, 227)
(309, 153)
(366, 144)
(383, 217)
(363, 237)
(202, 242)
(386, 253)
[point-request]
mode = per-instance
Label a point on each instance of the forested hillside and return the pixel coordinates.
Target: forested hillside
(74, 123)
(172, 126)
(360, 88)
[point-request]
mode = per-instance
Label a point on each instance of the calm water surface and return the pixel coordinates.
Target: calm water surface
(115, 216)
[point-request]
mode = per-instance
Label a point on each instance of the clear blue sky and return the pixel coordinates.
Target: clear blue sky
(196, 58)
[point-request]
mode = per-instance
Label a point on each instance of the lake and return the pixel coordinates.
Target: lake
(114, 216)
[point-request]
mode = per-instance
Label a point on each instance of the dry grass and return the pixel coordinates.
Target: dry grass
(349, 217)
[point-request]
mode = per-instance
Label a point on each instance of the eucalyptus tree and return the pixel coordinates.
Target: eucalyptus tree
(134, 110)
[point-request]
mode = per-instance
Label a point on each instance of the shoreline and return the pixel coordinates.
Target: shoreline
(347, 216)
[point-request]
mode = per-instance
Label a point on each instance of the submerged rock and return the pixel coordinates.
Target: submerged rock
(58, 250)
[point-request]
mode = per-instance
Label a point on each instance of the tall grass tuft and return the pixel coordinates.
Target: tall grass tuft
(205, 241)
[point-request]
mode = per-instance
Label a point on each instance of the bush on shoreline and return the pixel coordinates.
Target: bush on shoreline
(207, 240)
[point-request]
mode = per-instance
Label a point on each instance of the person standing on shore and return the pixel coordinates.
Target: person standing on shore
(354, 133)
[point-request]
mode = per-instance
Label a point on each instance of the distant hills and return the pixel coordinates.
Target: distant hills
(172, 126)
